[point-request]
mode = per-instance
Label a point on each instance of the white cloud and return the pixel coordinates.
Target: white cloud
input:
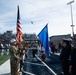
(56, 12)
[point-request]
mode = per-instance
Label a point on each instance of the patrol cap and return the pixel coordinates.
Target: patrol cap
(67, 39)
(13, 40)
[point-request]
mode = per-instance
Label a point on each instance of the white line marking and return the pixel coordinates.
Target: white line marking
(35, 64)
(28, 73)
(46, 65)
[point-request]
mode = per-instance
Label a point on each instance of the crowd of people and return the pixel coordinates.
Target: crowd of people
(67, 55)
(41, 52)
(19, 51)
(4, 49)
(66, 48)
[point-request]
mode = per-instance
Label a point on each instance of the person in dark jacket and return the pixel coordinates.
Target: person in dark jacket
(0, 49)
(73, 62)
(65, 54)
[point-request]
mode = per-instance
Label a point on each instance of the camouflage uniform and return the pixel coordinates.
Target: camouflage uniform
(14, 60)
(21, 52)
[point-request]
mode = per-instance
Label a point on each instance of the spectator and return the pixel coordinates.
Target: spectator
(38, 49)
(60, 47)
(7, 49)
(43, 55)
(34, 50)
(52, 47)
(0, 49)
(56, 48)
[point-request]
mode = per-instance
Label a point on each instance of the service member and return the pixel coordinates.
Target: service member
(65, 54)
(21, 54)
(14, 57)
(73, 62)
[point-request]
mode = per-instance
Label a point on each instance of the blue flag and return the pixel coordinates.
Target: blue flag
(43, 35)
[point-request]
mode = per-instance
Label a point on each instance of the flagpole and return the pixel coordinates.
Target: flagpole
(19, 38)
(70, 3)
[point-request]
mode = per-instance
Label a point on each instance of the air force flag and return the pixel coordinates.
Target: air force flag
(43, 35)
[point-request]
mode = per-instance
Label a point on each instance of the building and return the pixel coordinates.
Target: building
(30, 38)
(58, 38)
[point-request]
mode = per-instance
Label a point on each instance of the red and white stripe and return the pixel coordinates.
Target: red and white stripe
(19, 34)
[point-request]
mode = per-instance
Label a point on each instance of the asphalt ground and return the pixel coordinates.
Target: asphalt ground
(33, 66)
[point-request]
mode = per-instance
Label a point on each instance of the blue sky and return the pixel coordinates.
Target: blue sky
(54, 12)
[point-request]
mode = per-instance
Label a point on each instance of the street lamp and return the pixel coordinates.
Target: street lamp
(71, 16)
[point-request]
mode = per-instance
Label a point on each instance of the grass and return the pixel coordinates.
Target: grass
(4, 58)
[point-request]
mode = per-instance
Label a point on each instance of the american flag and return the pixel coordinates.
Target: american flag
(19, 34)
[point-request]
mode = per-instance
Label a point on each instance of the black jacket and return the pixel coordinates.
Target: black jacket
(65, 53)
(73, 57)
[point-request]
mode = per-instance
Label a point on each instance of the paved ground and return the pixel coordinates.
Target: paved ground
(5, 68)
(36, 67)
